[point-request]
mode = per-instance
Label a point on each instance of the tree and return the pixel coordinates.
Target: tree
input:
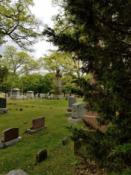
(63, 61)
(37, 83)
(18, 61)
(17, 22)
(98, 32)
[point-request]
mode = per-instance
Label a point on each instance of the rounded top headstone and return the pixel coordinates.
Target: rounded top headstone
(17, 172)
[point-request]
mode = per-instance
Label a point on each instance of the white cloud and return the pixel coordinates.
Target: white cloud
(44, 11)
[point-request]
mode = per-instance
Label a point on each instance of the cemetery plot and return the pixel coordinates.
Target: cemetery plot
(29, 152)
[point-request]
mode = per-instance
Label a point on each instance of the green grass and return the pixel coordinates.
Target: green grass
(22, 155)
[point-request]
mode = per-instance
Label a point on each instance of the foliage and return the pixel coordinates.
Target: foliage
(98, 32)
(37, 83)
(63, 61)
(18, 62)
(17, 22)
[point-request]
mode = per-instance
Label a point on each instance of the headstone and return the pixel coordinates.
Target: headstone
(90, 119)
(3, 103)
(42, 95)
(10, 134)
(10, 137)
(15, 93)
(41, 156)
(71, 101)
(78, 110)
(65, 141)
(17, 172)
(37, 124)
(30, 94)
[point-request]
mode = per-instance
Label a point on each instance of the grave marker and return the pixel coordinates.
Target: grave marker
(10, 137)
(90, 119)
(37, 124)
(3, 105)
(71, 101)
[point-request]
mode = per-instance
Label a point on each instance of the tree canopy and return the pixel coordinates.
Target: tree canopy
(17, 22)
(99, 32)
(18, 62)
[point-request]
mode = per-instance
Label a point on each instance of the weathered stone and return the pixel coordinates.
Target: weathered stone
(41, 156)
(17, 172)
(71, 101)
(30, 94)
(2, 102)
(78, 110)
(90, 119)
(37, 124)
(10, 137)
(10, 134)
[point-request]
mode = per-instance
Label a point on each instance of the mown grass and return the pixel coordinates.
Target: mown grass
(22, 155)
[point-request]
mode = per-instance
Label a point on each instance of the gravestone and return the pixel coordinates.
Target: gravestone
(17, 172)
(30, 94)
(15, 93)
(78, 110)
(10, 137)
(71, 101)
(90, 119)
(37, 124)
(41, 156)
(3, 103)
(10, 134)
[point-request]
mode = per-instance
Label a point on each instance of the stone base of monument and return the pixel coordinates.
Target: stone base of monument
(74, 120)
(9, 143)
(3, 110)
(31, 131)
(17, 172)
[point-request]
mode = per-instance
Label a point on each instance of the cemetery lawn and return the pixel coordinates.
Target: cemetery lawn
(61, 158)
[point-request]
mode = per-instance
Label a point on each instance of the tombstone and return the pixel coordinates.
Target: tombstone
(3, 105)
(15, 93)
(90, 119)
(78, 110)
(71, 101)
(37, 124)
(30, 94)
(42, 95)
(10, 137)
(17, 172)
(41, 156)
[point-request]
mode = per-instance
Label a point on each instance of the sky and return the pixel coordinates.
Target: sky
(44, 10)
